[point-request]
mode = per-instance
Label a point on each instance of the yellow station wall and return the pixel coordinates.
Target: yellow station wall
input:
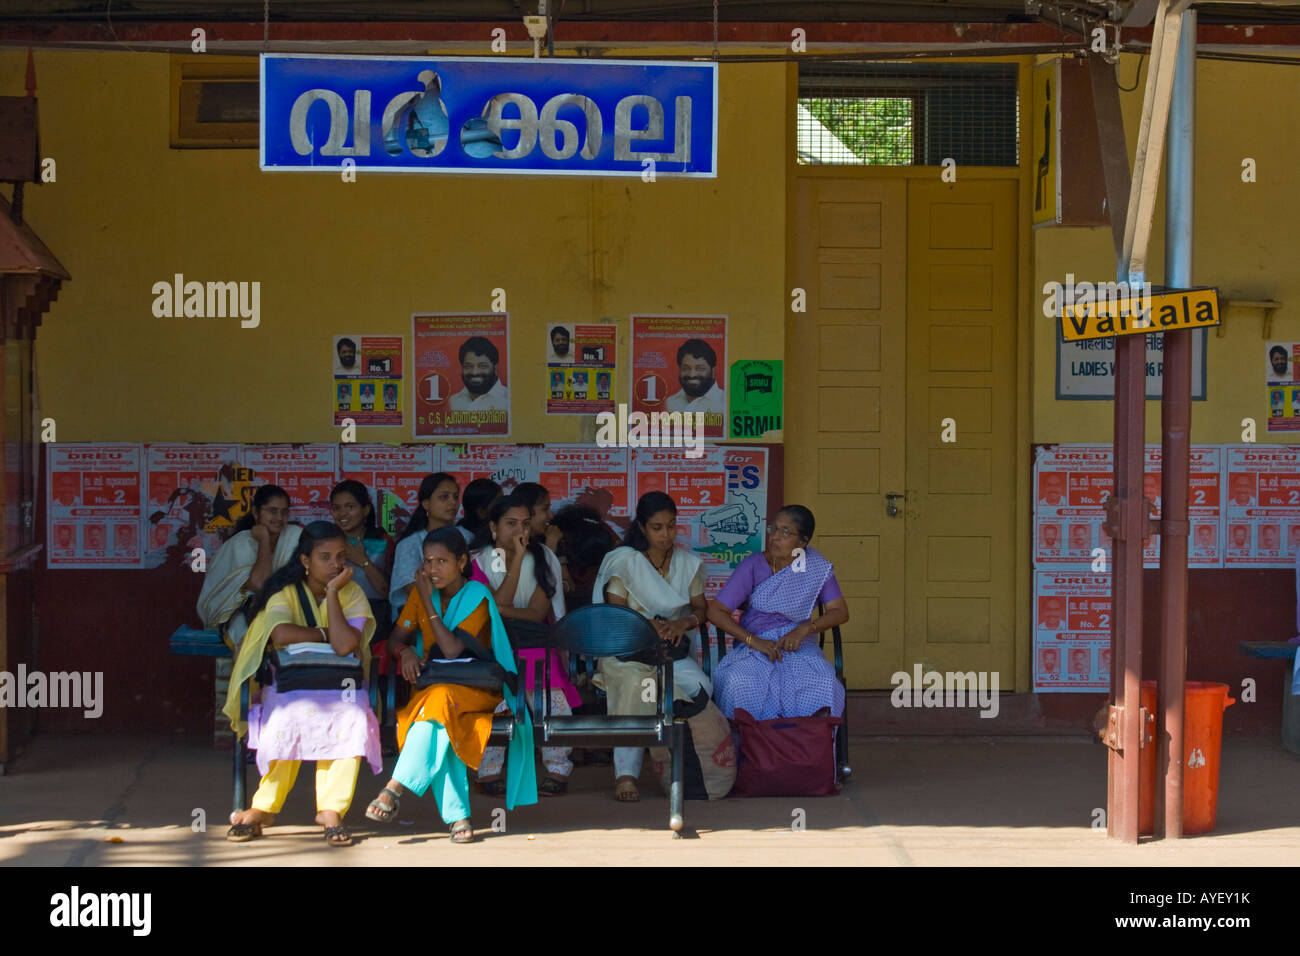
(1247, 243)
(127, 211)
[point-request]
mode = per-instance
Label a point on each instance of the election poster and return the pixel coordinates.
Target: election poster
(1283, 408)
(678, 364)
(580, 368)
(1072, 483)
(507, 465)
(392, 474)
(368, 379)
(461, 380)
(195, 497)
(306, 472)
(1262, 511)
(1282, 363)
(738, 527)
(1072, 622)
(757, 398)
(94, 515)
(587, 475)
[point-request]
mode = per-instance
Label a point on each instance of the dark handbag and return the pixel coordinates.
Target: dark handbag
(480, 670)
(786, 756)
(314, 671)
(662, 652)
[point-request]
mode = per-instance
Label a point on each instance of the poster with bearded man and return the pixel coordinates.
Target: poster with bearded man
(461, 380)
(678, 365)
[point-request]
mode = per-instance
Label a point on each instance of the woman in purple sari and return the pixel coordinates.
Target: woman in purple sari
(780, 671)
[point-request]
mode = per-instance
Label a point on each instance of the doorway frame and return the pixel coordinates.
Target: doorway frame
(1022, 490)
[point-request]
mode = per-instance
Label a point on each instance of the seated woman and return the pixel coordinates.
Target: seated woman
(525, 580)
(439, 498)
(780, 672)
(367, 546)
(580, 540)
(335, 729)
(445, 727)
(263, 542)
(479, 497)
(664, 583)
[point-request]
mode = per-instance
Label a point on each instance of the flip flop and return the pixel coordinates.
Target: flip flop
(243, 832)
(550, 787)
(338, 836)
(381, 814)
(462, 831)
(625, 791)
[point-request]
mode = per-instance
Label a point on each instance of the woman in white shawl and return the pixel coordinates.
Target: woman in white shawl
(664, 583)
(508, 556)
(263, 543)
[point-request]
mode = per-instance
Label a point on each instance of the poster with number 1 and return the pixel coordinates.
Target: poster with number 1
(679, 364)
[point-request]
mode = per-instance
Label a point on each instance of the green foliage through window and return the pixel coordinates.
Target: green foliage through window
(877, 130)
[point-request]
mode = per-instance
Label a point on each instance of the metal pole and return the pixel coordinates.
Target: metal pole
(1130, 422)
(1175, 425)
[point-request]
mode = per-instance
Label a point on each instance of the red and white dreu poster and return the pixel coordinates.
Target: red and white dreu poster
(507, 465)
(1071, 631)
(679, 364)
(1204, 543)
(1071, 485)
(1262, 506)
(188, 486)
(461, 379)
(306, 472)
(588, 475)
(93, 518)
(392, 474)
(697, 485)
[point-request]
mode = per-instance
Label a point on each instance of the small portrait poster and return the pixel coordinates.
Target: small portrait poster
(367, 383)
(580, 368)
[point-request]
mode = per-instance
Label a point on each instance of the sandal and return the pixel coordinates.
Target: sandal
(243, 832)
(551, 787)
(625, 790)
(462, 831)
(493, 788)
(381, 813)
(338, 836)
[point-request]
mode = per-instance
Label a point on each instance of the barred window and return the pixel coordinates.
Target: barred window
(908, 114)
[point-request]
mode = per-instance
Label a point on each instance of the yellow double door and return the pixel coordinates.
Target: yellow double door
(901, 414)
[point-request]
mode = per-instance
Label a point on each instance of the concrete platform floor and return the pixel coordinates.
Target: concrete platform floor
(131, 801)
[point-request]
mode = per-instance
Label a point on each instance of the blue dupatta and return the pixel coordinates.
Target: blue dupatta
(521, 769)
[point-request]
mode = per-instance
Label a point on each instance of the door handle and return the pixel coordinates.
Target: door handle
(891, 509)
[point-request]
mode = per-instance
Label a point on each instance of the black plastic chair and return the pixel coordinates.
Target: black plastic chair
(610, 630)
(712, 636)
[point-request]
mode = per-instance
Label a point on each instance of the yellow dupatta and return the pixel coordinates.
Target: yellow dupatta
(284, 608)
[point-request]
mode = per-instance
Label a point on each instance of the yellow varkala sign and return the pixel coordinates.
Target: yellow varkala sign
(1174, 311)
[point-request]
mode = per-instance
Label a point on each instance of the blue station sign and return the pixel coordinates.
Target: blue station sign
(472, 115)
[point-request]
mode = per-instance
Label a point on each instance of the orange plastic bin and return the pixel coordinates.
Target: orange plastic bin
(1203, 718)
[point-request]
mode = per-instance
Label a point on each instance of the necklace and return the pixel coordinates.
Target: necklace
(667, 558)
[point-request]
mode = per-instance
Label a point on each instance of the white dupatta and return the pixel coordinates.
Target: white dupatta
(667, 597)
(223, 584)
(527, 578)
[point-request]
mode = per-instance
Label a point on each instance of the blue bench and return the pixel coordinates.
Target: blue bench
(1272, 651)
